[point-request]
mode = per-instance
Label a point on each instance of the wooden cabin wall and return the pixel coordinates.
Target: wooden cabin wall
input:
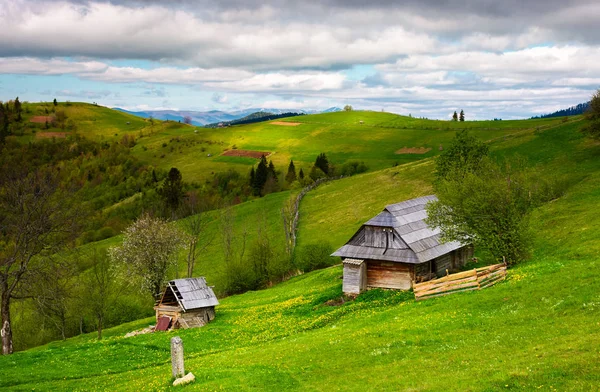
(389, 275)
(424, 272)
(198, 317)
(355, 278)
(442, 264)
(171, 311)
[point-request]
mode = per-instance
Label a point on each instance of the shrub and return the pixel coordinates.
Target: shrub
(351, 168)
(314, 256)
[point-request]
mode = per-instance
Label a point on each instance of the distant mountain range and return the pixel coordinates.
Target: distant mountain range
(215, 116)
(572, 111)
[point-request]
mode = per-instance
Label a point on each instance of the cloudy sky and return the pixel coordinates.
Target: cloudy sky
(508, 59)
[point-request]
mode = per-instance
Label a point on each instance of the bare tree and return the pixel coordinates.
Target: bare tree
(103, 287)
(53, 291)
(149, 248)
(198, 239)
(187, 120)
(238, 276)
(288, 216)
(37, 218)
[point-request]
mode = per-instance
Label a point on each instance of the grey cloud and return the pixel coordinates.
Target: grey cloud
(327, 35)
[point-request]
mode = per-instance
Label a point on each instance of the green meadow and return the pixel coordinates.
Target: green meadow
(538, 330)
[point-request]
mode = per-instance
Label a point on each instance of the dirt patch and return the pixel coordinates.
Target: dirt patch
(40, 119)
(285, 123)
(246, 153)
(60, 135)
(413, 150)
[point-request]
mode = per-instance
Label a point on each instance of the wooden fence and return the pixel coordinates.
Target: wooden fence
(475, 279)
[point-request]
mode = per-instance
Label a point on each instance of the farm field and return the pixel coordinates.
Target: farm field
(536, 331)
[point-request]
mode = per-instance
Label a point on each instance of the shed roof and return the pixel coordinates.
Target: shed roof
(193, 293)
(407, 219)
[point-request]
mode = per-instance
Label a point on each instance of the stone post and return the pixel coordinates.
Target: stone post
(177, 357)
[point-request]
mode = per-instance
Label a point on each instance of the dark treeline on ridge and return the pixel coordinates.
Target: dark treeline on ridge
(572, 111)
(254, 118)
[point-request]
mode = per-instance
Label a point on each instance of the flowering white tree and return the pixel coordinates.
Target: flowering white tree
(149, 248)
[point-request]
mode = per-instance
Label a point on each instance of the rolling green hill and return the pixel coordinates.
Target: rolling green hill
(373, 137)
(537, 330)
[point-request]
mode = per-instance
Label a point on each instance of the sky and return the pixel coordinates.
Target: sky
(493, 59)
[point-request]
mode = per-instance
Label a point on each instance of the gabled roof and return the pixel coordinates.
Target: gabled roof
(193, 293)
(407, 221)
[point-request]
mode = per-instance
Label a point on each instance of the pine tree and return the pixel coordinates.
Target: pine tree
(301, 174)
(322, 163)
(55, 102)
(462, 115)
(260, 176)
(272, 171)
(455, 116)
(291, 173)
(252, 176)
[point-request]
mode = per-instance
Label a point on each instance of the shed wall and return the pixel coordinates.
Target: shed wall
(197, 317)
(389, 275)
(355, 278)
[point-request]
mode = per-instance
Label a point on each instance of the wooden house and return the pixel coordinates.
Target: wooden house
(185, 303)
(396, 248)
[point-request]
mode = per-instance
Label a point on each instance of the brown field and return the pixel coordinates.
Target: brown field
(413, 150)
(285, 123)
(60, 135)
(40, 119)
(246, 153)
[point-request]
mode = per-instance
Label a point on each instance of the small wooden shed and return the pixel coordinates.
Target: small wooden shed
(185, 303)
(396, 248)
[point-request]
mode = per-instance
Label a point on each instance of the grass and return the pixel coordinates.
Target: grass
(537, 330)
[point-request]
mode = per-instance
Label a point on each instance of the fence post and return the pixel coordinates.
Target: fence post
(177, 357)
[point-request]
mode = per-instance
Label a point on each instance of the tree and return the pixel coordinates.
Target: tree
(150, 247)
(52, 288)
(172, 190)
(239, 277)
(252, 176)
(301, 174)
(260, 176)
(462, 116)
(187, 120)
(592, 117)
(322, 163)
(348, 108)
(288, 216)
(291, 173)
(198, 238)
(55, 102)
(455, 116)
(484, 203)
(464, 155)
(18, 109)
(103, 287)
(38, 217)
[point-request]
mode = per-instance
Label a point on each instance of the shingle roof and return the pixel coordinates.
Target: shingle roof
(407, 219)
(193, 293)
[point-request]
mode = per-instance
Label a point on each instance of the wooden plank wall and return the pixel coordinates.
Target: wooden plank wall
(389, 275)
(475, 279)
(354, 280)
(443, 264)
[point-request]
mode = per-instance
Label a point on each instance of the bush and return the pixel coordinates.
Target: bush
(104, 233)
(314, 256)
(351, 168)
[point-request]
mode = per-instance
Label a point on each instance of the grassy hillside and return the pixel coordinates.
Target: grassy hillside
(376, 138)
(537, 330)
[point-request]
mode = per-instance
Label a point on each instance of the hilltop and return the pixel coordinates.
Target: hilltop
(537, 330)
